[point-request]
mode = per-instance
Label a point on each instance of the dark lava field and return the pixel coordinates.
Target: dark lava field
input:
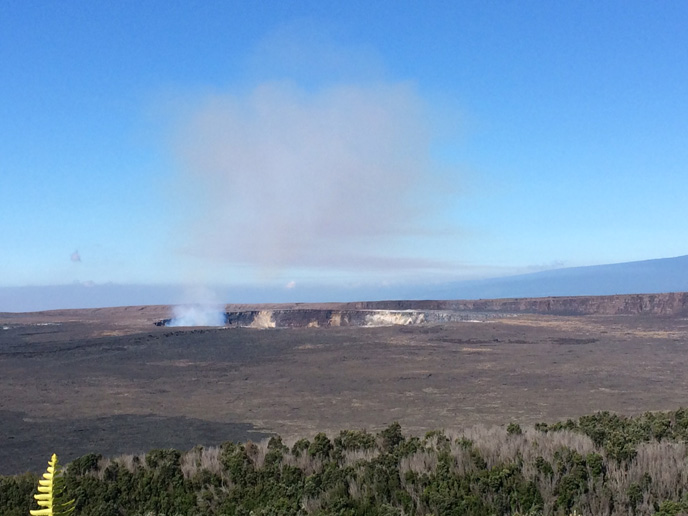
(110, 381)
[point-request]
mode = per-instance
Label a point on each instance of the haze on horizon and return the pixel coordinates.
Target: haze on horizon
(308, 148)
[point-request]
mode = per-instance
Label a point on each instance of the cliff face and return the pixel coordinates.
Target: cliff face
(387, 313)
(670, 304)
(298, 317)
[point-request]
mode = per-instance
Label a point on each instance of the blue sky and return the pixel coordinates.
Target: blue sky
(307, 144)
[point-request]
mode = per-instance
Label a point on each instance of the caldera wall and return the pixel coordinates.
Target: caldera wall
(406, 312)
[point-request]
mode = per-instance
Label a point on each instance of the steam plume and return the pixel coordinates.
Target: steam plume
(331, 179)
(202, 310)
(197, 315)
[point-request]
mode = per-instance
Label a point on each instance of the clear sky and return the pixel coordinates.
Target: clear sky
(317, 143)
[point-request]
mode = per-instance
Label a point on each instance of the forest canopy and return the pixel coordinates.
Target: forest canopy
(603, 463)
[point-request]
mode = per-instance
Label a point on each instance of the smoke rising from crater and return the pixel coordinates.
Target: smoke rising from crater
(197, 315)
(283, 177)
(201, 309)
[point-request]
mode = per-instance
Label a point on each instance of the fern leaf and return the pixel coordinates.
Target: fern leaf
(50, 490)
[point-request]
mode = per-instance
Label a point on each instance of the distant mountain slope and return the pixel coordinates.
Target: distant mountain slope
(642, 277)
(646, 277)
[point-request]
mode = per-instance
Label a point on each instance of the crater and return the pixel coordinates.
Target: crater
(318, 318)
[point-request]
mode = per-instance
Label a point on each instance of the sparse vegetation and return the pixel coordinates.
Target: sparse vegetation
(602, 464)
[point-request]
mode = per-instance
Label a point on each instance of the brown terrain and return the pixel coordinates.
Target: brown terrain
(111, 381)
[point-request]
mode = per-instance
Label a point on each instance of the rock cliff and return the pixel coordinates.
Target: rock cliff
(386, 313)
(669, 304)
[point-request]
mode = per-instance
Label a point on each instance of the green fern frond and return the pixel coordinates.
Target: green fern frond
(50, 491)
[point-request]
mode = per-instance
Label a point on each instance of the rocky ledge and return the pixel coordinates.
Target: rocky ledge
(386, 313)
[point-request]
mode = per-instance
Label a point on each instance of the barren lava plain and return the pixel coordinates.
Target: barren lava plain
(109, 381)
